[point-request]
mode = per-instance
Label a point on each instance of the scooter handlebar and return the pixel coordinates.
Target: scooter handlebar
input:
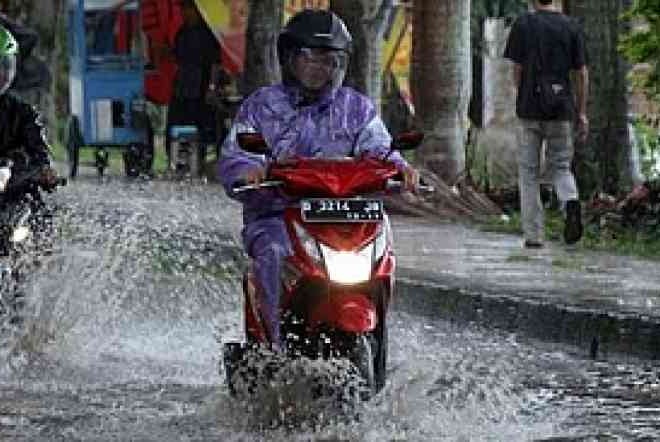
(242, 186)
(396, 185)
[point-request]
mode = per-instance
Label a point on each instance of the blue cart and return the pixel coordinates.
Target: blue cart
(106, 84)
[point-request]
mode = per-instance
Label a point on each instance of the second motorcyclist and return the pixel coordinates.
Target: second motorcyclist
(309, 114)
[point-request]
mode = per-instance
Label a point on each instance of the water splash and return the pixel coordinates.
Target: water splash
(145, 279)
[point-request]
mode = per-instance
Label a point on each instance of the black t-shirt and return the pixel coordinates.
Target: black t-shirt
(196, 50)
(558, 41)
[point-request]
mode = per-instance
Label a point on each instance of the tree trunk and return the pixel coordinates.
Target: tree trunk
(264, 25)
(58, 60)
(476, 105)
(51, 55)
(602, 162)
(366, 20)
(441, 80)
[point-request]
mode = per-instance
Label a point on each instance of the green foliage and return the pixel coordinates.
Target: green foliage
(642, 44)
(504, 224)
(623, 241)
(609, 239)
(648, 140)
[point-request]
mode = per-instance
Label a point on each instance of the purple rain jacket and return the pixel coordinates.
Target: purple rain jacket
(341, 123)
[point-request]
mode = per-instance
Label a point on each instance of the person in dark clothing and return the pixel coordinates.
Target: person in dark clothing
(545, 46)
(195, 50)
(20, 124)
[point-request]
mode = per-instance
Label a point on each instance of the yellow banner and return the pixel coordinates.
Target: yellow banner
(228, 21)
(397, 52)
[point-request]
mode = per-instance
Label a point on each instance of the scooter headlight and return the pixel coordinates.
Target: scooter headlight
(19, 234)
(348, 267)
(308, 243)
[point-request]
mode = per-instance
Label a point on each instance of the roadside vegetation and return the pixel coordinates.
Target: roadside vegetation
(598, 236)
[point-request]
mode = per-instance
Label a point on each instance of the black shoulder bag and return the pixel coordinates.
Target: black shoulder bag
(551, 91)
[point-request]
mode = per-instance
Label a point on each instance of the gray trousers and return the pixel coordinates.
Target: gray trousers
(558, 157)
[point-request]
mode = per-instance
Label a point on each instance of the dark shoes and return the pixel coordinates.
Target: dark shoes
(529, 244)
(573, 222)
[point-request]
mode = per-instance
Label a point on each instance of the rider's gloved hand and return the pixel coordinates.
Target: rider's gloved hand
(256, 175)
(48, 178)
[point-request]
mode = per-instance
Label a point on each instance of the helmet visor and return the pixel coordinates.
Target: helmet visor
(325, 58)
(7, 71)
(316, 67)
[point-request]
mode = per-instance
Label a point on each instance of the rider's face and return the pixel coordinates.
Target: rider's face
(314, 67)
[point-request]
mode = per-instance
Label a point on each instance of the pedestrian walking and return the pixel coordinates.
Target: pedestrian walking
(545, 46)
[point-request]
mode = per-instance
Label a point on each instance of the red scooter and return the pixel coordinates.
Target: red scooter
(338, 284)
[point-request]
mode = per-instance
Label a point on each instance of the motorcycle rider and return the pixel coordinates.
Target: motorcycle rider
(309, 114)
(20, 124)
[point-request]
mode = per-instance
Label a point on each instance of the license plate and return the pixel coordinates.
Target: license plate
(333, 210)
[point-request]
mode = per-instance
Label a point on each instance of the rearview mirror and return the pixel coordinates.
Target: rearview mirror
(253, 143)
(407, 140)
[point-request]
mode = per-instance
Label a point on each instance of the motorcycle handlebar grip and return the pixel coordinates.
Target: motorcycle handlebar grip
(398, 185)
(393, 185)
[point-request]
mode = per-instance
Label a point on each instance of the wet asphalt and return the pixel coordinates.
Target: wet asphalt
(600, 302)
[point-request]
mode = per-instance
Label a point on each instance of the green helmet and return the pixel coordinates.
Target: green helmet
(8, 44)
(8, 51)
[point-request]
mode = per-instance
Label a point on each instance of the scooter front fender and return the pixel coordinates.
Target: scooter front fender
(349, 312)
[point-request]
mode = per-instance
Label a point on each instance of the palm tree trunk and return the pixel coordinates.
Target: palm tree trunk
(441, 82)
(264, 24)
(602, 162)
(366, 20)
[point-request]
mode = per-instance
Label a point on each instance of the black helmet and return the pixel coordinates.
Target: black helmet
(314, 28)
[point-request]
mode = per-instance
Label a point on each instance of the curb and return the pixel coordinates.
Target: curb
(598, 333)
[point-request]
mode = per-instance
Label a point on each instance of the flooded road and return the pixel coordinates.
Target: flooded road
(125, 318)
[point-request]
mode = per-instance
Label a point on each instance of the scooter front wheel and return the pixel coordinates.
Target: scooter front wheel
(362, 358)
